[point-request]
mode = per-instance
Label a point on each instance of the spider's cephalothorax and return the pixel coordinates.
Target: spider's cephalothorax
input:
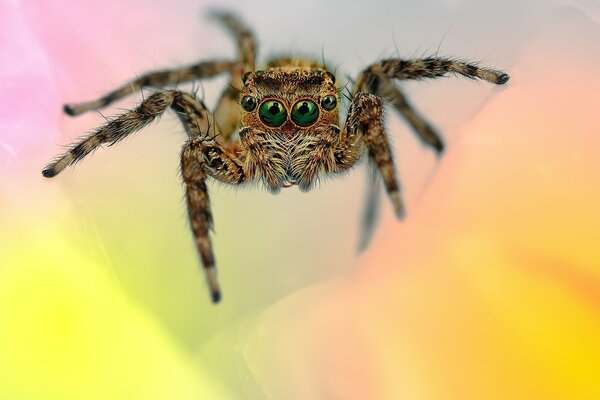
(287, 120)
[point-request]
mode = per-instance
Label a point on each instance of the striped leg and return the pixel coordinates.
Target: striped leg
(370, 214)
(227, 111)
(378, 79)
(335, 151)
(384, 87)
(201, 158)
(191, 111)
(156, 79)
(369, 115)
(424, 130)
(434, 67)
(245, 38)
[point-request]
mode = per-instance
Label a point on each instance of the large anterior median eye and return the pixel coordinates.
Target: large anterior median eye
(305, 113)
(272, 113)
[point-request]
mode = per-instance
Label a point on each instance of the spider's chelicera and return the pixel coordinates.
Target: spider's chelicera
(286, 116)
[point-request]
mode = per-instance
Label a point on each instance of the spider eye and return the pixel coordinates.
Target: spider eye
(272, 113)
(305, 113)
(328, 102)
(248, 103)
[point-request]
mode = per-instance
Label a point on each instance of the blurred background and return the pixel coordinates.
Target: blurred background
(490, 288)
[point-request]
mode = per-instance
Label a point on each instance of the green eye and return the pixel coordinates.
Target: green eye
(328, 102)
(305, 113)
(272, 113)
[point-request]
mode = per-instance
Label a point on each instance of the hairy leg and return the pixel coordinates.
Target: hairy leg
(156, 79)
(378, 79)
(191, 111)
(369, 116)
(200, 158)
(244, 37)
(386, 88)
(334, 150)
(424, 130)
(227, 111)
(434, 67)
(370, 213)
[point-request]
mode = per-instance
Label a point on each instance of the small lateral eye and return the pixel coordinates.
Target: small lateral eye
(249, 103)
(305, 113)
(328, 102)
(272, 113)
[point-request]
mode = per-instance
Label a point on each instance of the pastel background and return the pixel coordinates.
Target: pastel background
(489, 289)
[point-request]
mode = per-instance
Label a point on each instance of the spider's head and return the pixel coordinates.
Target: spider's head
(289, 100)
(285, 111)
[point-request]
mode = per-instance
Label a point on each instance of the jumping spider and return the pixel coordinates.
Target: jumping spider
(286, 117)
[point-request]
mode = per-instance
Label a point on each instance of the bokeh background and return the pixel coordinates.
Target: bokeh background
(489, 289)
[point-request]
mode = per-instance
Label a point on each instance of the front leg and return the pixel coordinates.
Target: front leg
(434, 67)
(367, 112)
(378, 79)
(384, 87)
(191, 111)
(364, 124)
(366, 117)
(203, 157)
(332, 150)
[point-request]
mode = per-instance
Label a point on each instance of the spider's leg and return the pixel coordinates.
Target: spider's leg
(132, 121)
(368, 110)
(156, 79)
(384, 87)
(423, 129)
(371, 209)
(335, 150)
(227, 111)
(377, 79)
(245, 39)
(366, 113)
(202, 157)
(365, 121)
(434, 67)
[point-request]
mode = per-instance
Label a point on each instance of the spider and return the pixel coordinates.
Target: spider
(278, 125)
